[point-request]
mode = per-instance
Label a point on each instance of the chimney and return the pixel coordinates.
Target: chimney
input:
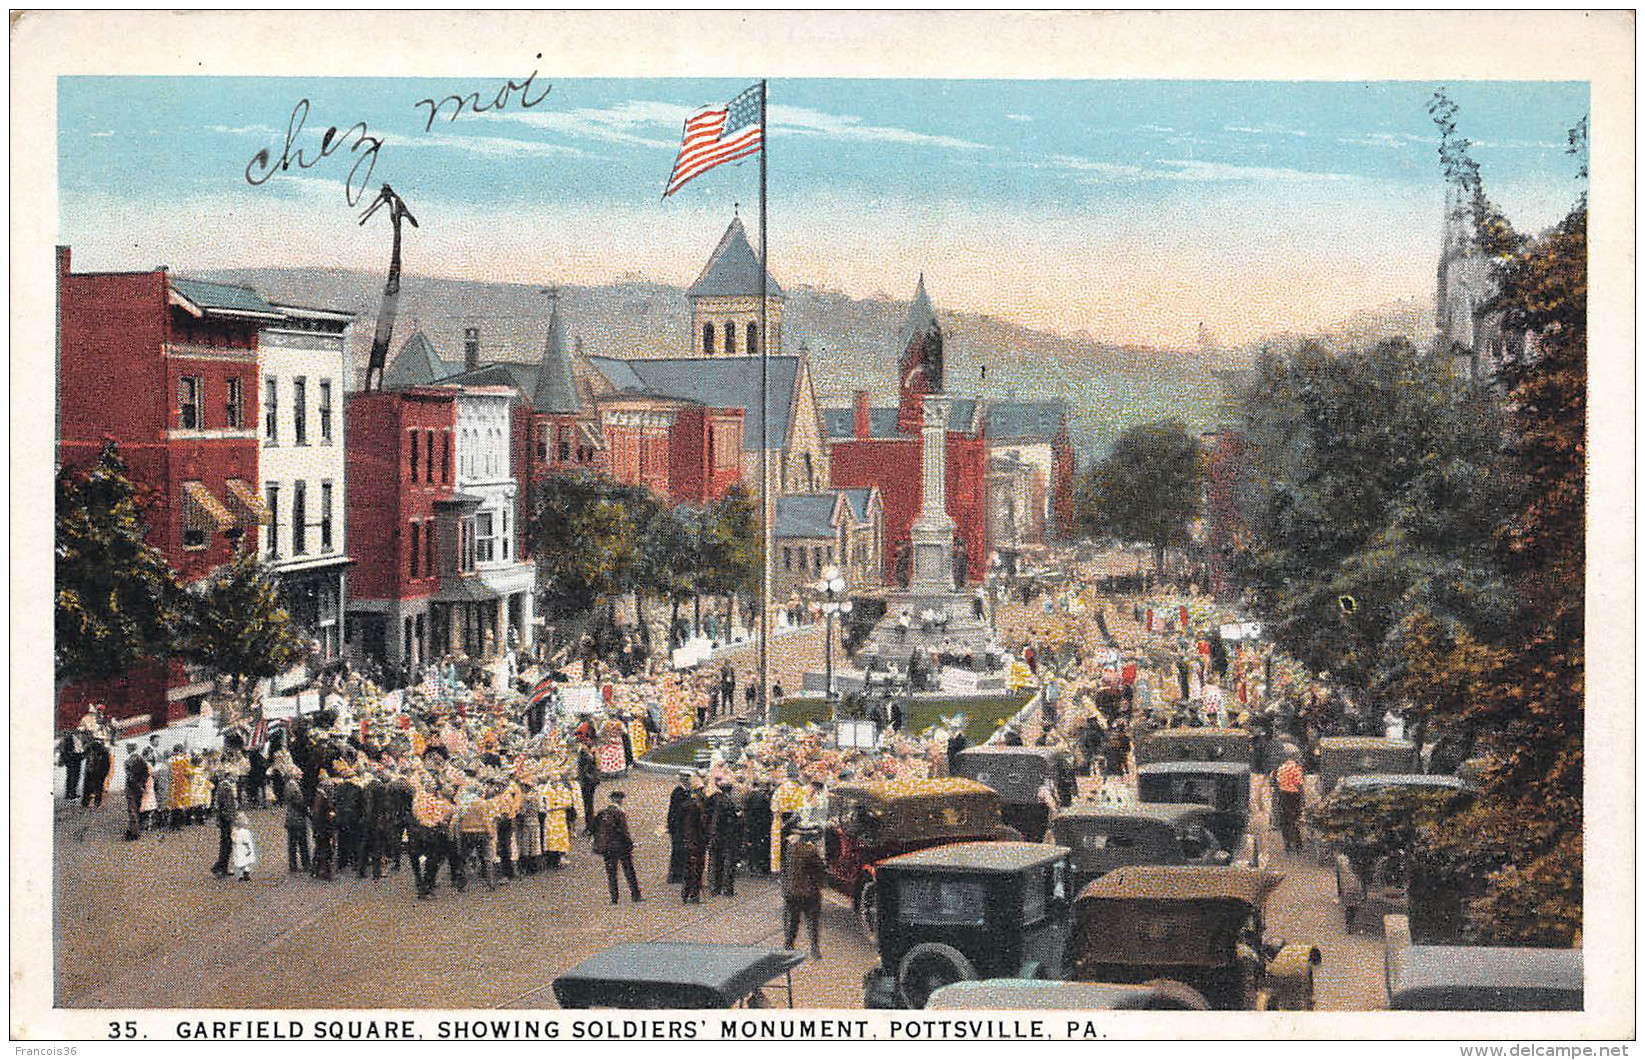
(859, 418)
(471, 349)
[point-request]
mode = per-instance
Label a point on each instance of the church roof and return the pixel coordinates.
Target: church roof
(859, 500)
(418, 363)
(555, 386)
(1026, 420)
(733, 268)
(716, 382)
(805, 515)
(840, 424)
(922, 317)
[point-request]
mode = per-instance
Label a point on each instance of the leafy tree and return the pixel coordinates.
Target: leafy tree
(117, 599)
(237, 625)
(1371, 494)
(734, 556)
(588, 537)
(1146, 489)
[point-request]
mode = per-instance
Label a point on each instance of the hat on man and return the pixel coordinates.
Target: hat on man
(685, 774)
(617, 796)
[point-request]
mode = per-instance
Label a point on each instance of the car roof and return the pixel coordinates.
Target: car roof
(1179, 731)
(1004, 750)
(1364, 743)
(1169, 813)
(1039, 994)
(1490, 978)
(1229, 768)
(979, 857)
(922, 787)
(726, 970)
(1184, 883)
(1372, 781)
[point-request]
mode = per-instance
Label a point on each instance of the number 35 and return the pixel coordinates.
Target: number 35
(128, 1029)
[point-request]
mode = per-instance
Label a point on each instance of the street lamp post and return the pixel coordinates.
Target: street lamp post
(832, 588)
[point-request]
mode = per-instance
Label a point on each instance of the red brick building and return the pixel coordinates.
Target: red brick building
(167, 368)
(882, 448)
(401, 475)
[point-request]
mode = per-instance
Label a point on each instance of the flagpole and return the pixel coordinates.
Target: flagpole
(765, 424)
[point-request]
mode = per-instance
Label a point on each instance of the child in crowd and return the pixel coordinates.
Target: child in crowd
(245, 846)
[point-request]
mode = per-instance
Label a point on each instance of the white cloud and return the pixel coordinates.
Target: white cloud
(1187, 169)
(101, 133)
(1020, 117)
(245, 130)
(612, 124)
(491, 146)
(805, 122)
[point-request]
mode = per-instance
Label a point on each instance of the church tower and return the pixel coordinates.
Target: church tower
(725, 302)
(919, 361)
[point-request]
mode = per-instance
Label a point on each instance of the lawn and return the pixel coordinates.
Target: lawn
(983, 716)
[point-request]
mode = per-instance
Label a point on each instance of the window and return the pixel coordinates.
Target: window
(414, 453)
(416, 552)
(485, 541)
(188, 402)
(506, 539)
(272, 499)
(708, 339)
(299, 518)
(234, 407)
(565, 443)
(445, 456)
(753, 343)
(325, 517)
(957, 902)
(428, 471)
(325, 412)
(816, 554)
(730, 338)
(831, 553)
(542, 442)
(299, 410)
(788, 559)
(271, 411)
(428, 547)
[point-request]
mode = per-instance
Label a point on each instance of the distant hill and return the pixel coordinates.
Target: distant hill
(1412, 320)
(1108, 387)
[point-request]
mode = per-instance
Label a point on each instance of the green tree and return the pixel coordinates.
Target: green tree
(1146, 489)
(117, 599)
(734, 554)
(589, 542)
(237, 625)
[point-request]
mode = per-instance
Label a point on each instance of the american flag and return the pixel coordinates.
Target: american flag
(718, 134)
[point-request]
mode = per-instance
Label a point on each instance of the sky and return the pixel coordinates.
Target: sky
(1132, 211)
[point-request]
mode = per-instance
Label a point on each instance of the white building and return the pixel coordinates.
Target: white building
(304, 364)
(488, 585)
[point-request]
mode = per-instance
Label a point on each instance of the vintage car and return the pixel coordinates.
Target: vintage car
(1194, 745)
(1008, 994)
(968, 911)
(1479, 978)
(871, 822)
(1347, 756)
(1364, 879)
(664, 975)
(1017, 773)
(1199, 927)
(1104, 838)
(1223, 786)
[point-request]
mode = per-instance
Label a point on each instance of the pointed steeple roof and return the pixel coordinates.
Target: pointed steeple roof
(922, 317)
(416, 364)
(733, 268)
(556, 389)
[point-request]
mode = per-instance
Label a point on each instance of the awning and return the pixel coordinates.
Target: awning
(465, 591)
(245, 498)
(202, 511)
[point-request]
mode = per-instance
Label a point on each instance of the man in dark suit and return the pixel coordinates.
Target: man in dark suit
(588, 778)
(725, 842)
(676, 823)
(694, 838)
(613, 843)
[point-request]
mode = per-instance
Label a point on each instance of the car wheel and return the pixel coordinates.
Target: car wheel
(1179, 994)
(868, 910)
(929, 966)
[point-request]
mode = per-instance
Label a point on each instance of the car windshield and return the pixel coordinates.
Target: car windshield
(942, 900)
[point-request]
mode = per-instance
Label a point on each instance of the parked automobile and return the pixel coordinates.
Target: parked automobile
(1347, 756)
(677, 975)
(1194, 745)
(871, 822)
(1199, 927)
(1223, 786)
(968, 911)
(1018, 773)
(1478, 978)
(1104, 838)
(1008, 994)
(1363, 876)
